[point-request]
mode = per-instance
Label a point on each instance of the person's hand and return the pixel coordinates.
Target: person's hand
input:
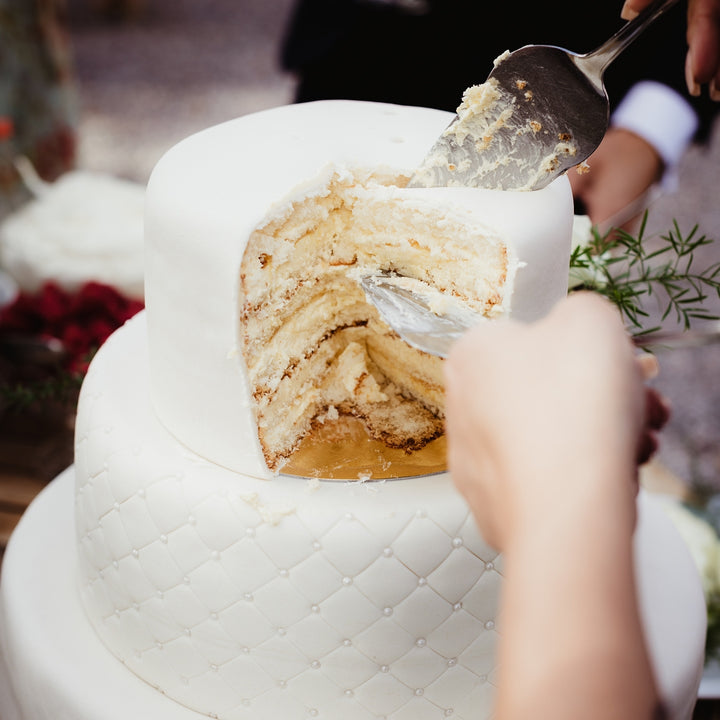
(618, 173)
(703, 35)
(703, 59)
(552, 411)
(545, 424)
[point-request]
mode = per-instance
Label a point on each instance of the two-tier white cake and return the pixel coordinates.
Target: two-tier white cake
(217, 572)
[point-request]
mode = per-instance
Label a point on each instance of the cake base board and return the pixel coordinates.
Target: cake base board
(53, 665)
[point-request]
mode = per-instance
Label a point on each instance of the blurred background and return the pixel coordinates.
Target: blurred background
(151, 72)
(130, 78)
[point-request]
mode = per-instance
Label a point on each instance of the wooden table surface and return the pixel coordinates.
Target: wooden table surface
(35, 446)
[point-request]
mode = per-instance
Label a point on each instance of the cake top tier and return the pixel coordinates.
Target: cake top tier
(214, 191)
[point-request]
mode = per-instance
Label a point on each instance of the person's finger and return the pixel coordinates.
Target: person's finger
(647, 447)
(657, 410)
(630, 10)
(657, 413)
(702, 65)
(649, 366)
(703, 34)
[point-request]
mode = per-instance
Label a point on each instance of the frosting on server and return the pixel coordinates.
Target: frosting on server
(210, 192)
(247, 598)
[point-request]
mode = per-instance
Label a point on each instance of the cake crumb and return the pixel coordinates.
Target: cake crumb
(582, 168)
(330, 414)
(504, 55)
(355, 375)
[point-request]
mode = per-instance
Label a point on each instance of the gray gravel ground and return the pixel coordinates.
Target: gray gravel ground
(181, 65)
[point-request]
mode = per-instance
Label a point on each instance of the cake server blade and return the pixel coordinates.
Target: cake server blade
(410, 315)
(542, 111)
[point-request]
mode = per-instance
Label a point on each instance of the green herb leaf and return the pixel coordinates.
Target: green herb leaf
(626, 269)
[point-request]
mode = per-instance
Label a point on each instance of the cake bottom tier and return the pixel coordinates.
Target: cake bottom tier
(52, 664)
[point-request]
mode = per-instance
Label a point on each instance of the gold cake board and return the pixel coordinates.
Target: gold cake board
(343, 450)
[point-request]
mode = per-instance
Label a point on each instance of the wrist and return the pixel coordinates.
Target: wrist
(576, 500)
(661, 117)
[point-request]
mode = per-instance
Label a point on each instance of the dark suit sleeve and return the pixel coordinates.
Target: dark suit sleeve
(383, 51)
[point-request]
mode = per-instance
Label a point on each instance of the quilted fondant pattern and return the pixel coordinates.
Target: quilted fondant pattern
(244, 598)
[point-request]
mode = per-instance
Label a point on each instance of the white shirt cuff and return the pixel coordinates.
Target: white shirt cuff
(659, 115)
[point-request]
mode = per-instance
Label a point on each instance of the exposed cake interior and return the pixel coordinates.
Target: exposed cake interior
(315, 350)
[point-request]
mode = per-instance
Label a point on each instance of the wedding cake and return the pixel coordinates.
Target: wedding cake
(222, 558)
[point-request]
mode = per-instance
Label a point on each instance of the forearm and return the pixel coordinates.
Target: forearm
(571, 640)
(545, 425)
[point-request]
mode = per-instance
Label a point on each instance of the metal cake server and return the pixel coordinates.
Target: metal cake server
(411, 317)
(549, 113)
(409, 314)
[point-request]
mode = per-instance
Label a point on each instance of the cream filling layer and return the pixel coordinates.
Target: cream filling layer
(310, 340)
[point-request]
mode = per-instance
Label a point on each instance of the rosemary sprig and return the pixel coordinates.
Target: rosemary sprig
(627, 269)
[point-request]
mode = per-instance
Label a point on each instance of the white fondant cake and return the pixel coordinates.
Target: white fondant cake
(244, 594)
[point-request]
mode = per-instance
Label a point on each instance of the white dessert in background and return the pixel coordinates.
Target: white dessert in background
(83, 227)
